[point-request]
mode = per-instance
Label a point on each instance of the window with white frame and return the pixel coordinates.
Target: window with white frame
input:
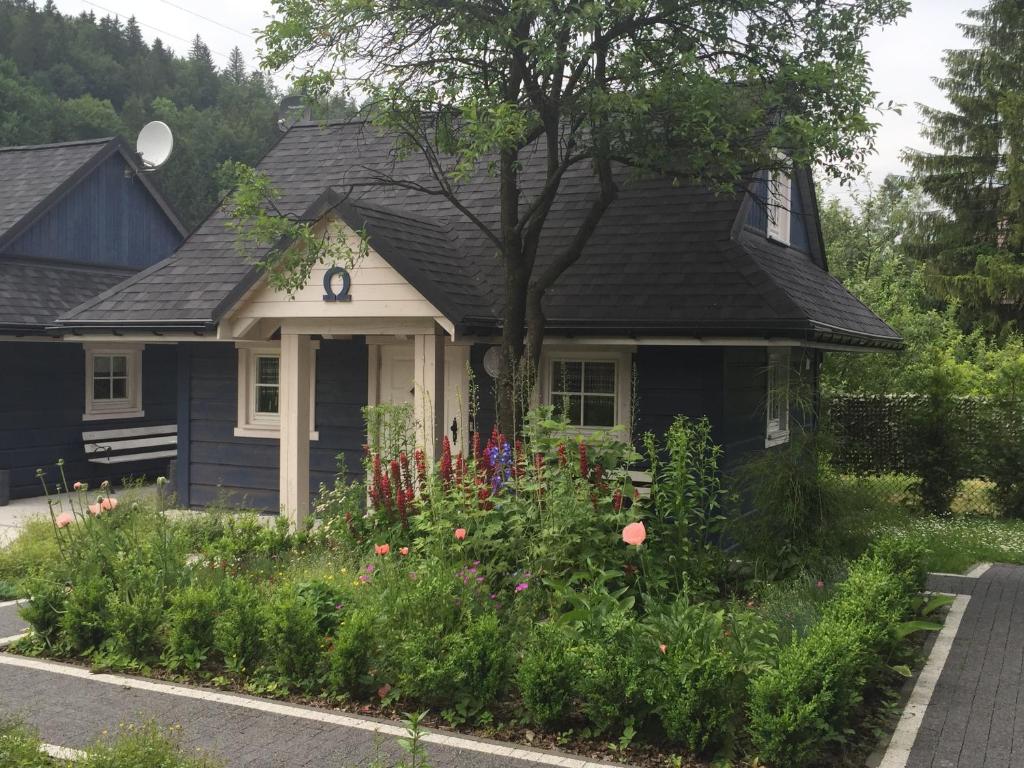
(778, 398)
(113, 383)
(591, 388)
(259, 391)
(779, 204)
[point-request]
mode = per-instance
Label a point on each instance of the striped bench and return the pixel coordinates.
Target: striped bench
(116, 446)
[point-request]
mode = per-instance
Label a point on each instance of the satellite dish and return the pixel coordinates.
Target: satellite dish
(154, 144)
(290, 111)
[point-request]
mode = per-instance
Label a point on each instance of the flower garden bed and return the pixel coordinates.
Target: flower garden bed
(524, 592)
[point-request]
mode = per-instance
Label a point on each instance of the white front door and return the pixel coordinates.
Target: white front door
(396, 374)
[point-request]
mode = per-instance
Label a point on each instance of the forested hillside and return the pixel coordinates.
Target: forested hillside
(65, 78)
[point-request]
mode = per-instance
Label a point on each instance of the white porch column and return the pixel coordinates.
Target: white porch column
(294, 409)
(428, 391)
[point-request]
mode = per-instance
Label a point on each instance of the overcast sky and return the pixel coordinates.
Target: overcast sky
(904, 57)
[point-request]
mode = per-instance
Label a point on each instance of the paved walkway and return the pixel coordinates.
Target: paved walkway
(10, 622)
(975, 717)
(17, 513)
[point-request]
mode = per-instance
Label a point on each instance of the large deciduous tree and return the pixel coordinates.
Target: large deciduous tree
(975, 238)
(700, 90)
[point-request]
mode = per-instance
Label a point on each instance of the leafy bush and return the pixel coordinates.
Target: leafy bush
(291, 636)
(135, 607)
(547, 673)
(351, 653)
(238, 628)
(85, 621)
(35, 547)
(190, 626)
(804, 703)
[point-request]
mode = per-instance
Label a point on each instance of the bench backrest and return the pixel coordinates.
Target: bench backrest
(116, 446)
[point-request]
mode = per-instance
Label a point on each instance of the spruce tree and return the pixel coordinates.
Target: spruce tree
(975, 244)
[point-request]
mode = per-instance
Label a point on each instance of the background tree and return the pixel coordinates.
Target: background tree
(65, 78)
(704, 90)
(974, 241)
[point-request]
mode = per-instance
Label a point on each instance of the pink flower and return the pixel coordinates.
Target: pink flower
(521, 587)
(95, 509)
(64, 520)
(460, 534)
(820, 584)
(662, 647)
(77, 486)
(634, 534)
(109, 503)
(382, 549)
(403, 551)
(384, 690)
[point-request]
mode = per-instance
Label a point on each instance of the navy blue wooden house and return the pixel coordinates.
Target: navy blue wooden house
(75, 220)
(683, 302)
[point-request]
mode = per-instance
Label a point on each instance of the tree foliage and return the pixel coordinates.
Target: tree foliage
(870, 249)
(64, 78)
(974, 244)
(704, 90)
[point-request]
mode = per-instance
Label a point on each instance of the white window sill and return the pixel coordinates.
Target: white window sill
(776, 439)
(267, 433)
(135, 413)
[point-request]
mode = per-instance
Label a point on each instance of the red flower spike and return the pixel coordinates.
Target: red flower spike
(617, 500)
(446, 461)
(460, 469)
(562, 459)
(421, 468)
(584, 467)
(403, 459)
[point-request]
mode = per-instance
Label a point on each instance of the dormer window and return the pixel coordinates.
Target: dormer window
(779, 203)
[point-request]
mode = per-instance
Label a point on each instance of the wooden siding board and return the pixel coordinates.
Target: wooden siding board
(109, 218)
(225, 469)
(42, 398)
(183, 465)
(745, 394)
(674, 381)
(487, 414)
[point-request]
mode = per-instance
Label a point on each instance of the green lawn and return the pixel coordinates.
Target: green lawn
(972, 534)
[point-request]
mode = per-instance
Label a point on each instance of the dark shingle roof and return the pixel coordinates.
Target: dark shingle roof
(33, 291)
(30, 175)
(664, 259)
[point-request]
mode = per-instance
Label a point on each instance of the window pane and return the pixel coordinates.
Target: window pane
(267, 370)
(572, 402)
(119, 365)
(101, 365)
(101, 389)
(266, 399)
(598, 411)
(599, 377)
(566, 376)
(119, 389)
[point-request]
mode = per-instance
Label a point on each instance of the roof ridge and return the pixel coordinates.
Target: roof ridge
(57, 145)
(47, 261)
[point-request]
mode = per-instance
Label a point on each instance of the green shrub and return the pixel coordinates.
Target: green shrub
(190, 624)
(86, 617)
(292, 637)
(135, 609)
(238, 628)
(701, 695)
(804, 704)
(45, 607)
(19, 747)
(351, 654)
(34, 548)
(547, 673)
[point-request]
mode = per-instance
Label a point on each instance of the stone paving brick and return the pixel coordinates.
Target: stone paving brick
(10, 622)
(73, 712)
(974, 719)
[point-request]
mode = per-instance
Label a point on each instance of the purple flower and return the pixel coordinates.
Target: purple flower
(479, 579)
(370, 568)
(521, 587)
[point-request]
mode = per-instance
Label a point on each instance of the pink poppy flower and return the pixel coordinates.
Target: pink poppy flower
(460, 534)
(820, 584)
(95, 509)
(662, 647)
(109, 503)
(64, 520)
(634, 534)
(382, 549)
(403, 551)
(77, 486)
